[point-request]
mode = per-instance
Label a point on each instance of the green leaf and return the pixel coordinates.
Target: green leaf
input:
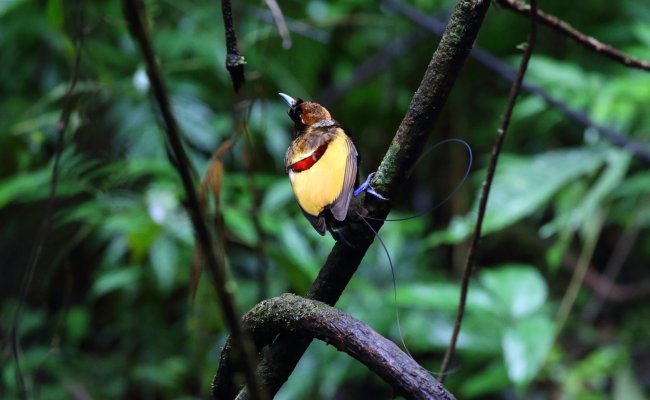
(241, 224)
(491, 379)
(521, 186)
(525, 347)
(518, 289)
(123, 278)
(77, 323)
(55, 14)
(440, 296)
(163, 255)
(627, 385)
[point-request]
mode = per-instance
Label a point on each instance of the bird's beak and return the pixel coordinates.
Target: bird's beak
(288, 99)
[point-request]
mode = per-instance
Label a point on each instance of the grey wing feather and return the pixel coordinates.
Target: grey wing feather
(340, 206)
(317, 222)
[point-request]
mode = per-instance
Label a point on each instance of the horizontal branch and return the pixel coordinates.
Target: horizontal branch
(572, 33)
(303, 317)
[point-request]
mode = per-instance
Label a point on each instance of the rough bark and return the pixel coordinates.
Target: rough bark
(296, 315)
(426, 105)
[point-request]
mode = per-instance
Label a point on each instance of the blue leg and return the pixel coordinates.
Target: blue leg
(365, 186)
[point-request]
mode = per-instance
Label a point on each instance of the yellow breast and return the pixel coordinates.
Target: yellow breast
(320, 185)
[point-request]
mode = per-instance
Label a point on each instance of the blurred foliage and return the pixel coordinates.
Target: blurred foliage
(107, 314)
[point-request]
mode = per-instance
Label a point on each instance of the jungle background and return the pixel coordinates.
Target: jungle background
(108, 315)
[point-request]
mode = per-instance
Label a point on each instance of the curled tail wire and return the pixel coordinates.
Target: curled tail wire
(392, 271)
(453, 192)
(443, 201)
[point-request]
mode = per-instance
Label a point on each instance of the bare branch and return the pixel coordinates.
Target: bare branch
(572, 33)
(487, 184)
(134, 13)
(234, 60)
(280, 24)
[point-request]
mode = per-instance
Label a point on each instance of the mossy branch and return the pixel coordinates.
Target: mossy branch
(298, 316)
(407, 146)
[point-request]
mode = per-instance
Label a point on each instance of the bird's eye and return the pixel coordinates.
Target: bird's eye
(295, 112)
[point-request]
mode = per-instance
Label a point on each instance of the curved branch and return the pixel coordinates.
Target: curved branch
(293, 314)
(572, 33)
(407, 145)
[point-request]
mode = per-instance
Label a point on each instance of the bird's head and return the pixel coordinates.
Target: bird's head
(305, 113)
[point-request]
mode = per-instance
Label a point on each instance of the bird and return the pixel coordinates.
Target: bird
(322, 163)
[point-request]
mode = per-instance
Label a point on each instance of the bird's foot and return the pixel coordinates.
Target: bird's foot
(365, 186)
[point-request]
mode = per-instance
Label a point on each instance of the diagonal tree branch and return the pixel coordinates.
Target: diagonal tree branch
(295, 314)
(487, 184)
(638, 149)
(134, 13)
(405, 149)
(572, 33)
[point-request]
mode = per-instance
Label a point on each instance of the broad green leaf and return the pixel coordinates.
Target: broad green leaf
(522, 185)
(517, 289)
(116, 279)
(525, 347)
(627, 385)
(77, 323)
(55, 14)
(241, 224)
(7, 5)
(440, 296)
(195, 119)
(572, 217)
(490, 379)
(163, 255)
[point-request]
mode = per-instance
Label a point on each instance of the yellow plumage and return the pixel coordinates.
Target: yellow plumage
(320, 185)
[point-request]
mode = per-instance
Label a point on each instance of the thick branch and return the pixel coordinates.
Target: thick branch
(303, 317)
(407, 146)
(134, 14)
(572, 33)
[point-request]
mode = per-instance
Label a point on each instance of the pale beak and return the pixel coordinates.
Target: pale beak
(288, 99)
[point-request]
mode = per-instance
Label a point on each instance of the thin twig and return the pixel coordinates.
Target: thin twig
(61, 127)
(639, 150)
(487, 184)
(135, 16)
(234, 60)
(579, 273)
(572, 33)
(278, 18)
(614, 266)
(294, 26)
(408, 143)
(605, 288)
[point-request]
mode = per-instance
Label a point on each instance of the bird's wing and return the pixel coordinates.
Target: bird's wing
(339, 207)
(317, 222)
